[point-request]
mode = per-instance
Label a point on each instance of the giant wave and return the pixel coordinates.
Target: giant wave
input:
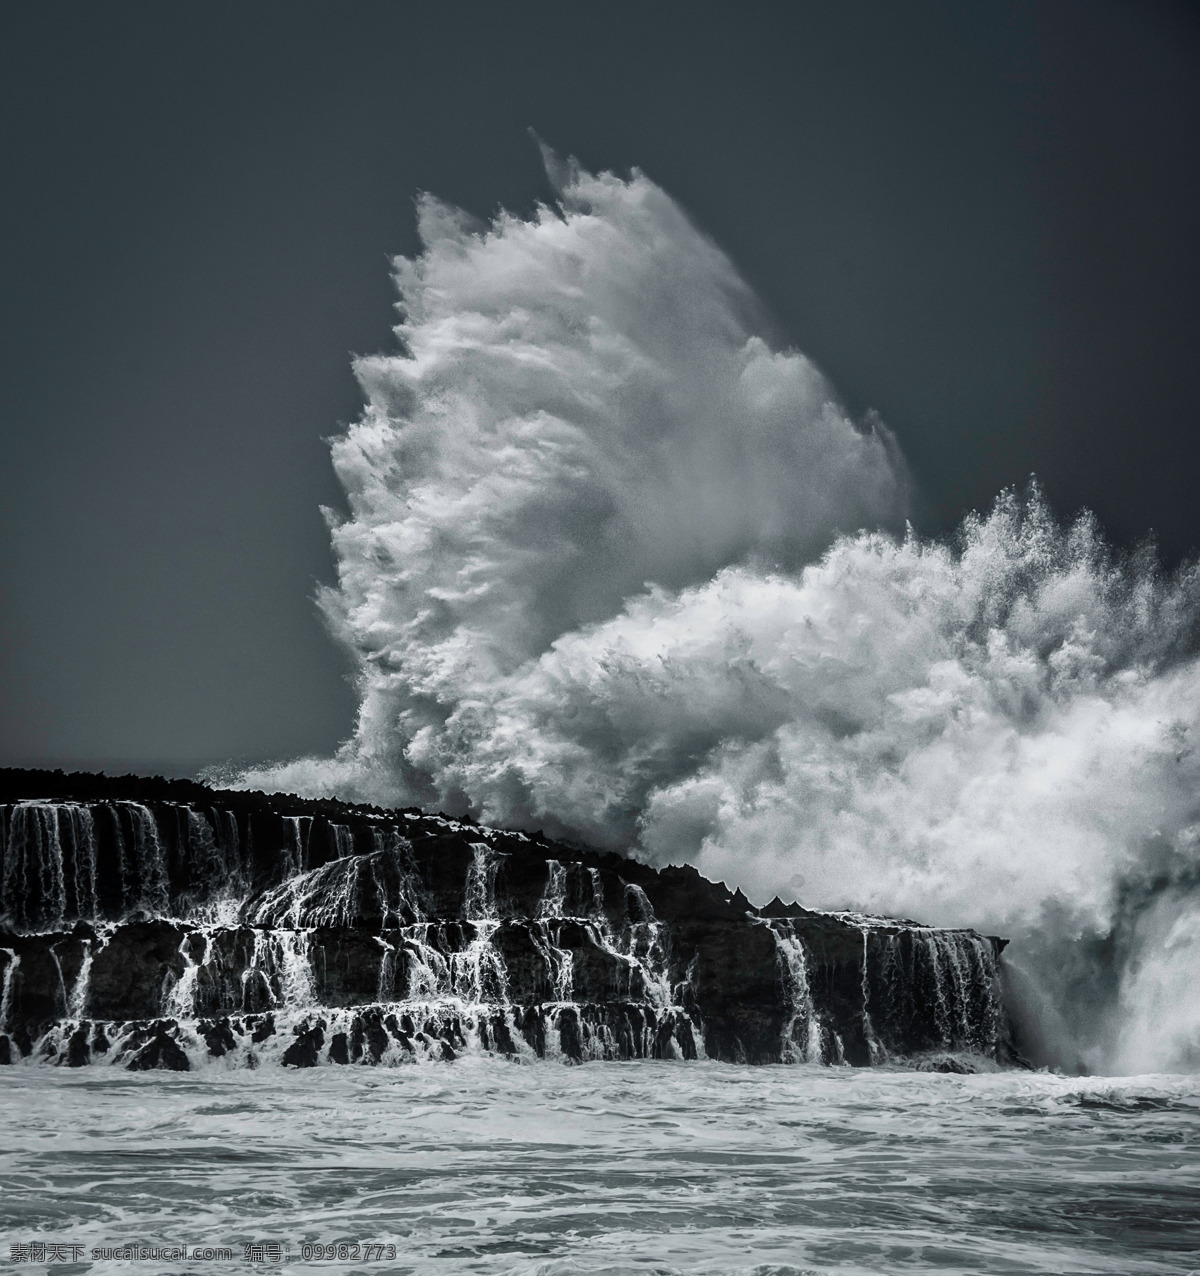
(618, 565)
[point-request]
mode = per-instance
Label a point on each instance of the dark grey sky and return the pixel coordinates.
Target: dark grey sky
(978, 219)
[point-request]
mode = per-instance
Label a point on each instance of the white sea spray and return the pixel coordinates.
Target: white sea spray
(617, 566)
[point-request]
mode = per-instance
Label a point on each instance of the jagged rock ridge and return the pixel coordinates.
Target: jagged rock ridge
(160, 923)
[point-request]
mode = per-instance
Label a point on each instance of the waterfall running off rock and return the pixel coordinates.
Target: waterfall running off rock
(156, 924)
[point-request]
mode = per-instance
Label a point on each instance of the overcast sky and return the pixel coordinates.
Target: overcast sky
(979, 220)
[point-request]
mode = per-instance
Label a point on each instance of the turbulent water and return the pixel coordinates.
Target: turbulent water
(653, 1167)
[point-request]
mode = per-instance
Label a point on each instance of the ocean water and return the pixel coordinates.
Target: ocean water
(483, 1166)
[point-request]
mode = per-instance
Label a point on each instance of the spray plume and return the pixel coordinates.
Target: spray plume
(618, 567)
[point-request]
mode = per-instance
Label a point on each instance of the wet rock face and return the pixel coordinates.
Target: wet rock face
(161, 1051)
(158, 924)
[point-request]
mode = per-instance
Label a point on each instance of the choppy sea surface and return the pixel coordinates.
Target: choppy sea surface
(481, 1166)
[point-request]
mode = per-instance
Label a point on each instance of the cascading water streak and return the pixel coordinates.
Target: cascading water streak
(12, 965)
(802, 1040)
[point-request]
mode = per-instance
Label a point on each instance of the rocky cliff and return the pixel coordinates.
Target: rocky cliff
(154, 923)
